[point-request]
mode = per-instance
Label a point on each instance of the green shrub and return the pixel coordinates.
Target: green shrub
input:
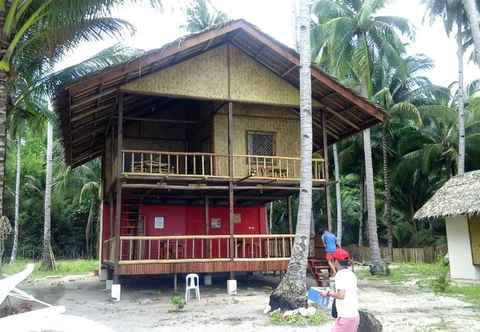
(177, 302)
(298, 320)
(441, 281)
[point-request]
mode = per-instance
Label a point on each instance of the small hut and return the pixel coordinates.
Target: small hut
(458, 202)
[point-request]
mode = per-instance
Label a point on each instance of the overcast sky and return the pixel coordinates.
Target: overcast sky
(155, 28)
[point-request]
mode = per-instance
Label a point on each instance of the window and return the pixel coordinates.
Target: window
(260, 143)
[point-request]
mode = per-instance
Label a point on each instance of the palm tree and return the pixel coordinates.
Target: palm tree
(471, 8)
(290, 293)
(40, 88)
(48, 260)
(93, 190)
(202, 15)
(400, 90)
(36, 34)
(356, 40)
(452, 12)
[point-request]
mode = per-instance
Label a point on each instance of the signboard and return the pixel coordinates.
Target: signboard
(159, 223)
(216, 223)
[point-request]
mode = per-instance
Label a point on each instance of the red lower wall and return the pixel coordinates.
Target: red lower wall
(190, 220)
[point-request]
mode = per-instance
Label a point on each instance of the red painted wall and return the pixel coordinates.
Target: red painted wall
(189, 220)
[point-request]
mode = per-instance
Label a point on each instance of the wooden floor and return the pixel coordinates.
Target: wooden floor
(207, 266)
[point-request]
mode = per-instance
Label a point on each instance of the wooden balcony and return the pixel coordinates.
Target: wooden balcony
(199, 253)
(211, 165)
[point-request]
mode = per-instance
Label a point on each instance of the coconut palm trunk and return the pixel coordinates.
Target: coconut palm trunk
(376, 263)
(3, 129)
(338, 194)
(290, 293)
(47, 253)
(88, 229)
(472, 11)
(461, 98)
(387, 200)
(13, 255)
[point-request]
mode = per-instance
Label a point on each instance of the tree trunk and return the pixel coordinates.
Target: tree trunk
(13, 255)
(362, 208)
(3, 129)
(88, 227)
(461, 100)
(376, 264)
(290, 293)
(47, 253)
(474, 18)
(387, 209)
(338, 194)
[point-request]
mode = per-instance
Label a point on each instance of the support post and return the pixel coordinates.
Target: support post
(207, 230)
(230, 186)
(175, 283)
(118, 184)
(326, 171)
(290, 215)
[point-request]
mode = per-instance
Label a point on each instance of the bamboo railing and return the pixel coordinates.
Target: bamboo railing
(200, 164)
(191, 248)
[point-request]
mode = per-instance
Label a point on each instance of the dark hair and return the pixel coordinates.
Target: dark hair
(322, 230)
(345, 263)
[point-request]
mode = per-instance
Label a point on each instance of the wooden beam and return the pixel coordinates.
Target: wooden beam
(231, 214)
(341, 117)
(132, 118)
(290, 215)
(118, 208)
(326, 170)
(289, 70)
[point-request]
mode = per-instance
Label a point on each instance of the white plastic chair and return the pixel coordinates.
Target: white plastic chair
(192, 283)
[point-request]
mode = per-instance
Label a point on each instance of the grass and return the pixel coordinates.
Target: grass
(297, 320)
(428, 276)
(64, 267)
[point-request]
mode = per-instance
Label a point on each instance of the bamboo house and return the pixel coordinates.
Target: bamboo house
(195, 139)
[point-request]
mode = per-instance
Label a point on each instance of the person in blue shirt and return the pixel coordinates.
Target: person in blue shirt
(330, 243)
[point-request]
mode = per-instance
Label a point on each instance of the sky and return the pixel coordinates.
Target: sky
(156, 27)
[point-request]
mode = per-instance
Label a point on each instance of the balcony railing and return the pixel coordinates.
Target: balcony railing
(199, 164)
(191, 248)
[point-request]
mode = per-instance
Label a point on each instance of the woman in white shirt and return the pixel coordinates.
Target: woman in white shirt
(345, 294)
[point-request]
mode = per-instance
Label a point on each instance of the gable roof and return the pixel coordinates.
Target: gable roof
(85, 106)
(458, 196)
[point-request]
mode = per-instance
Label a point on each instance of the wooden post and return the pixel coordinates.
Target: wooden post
(230, 185)
(325, 165)
(118, 205)
(207, 221)
(290, 215)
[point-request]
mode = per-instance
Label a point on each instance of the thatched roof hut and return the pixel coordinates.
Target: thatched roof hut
(459, 196)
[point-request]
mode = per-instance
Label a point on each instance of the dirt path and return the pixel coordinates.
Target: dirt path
(145, 307)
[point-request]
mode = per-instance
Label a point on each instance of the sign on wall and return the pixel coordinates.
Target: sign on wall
(216, 223)
(159, 223)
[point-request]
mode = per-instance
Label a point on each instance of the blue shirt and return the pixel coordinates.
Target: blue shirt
(330, 241)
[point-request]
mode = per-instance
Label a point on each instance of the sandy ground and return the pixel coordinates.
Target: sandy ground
(145, 306)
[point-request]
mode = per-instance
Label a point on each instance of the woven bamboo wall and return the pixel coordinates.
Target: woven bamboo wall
(255, 117)
(206, 76)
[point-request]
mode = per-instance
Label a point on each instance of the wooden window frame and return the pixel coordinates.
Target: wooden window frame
(265, 133)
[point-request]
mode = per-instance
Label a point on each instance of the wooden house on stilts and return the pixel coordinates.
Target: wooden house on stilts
(195, 138)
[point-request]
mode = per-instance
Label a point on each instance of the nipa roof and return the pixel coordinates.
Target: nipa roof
(459, 196)
(86, 106)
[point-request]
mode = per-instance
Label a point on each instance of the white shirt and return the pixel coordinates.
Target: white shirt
(347, 281)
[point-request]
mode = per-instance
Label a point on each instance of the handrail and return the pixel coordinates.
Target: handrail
(207, 164)
(168, 249)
